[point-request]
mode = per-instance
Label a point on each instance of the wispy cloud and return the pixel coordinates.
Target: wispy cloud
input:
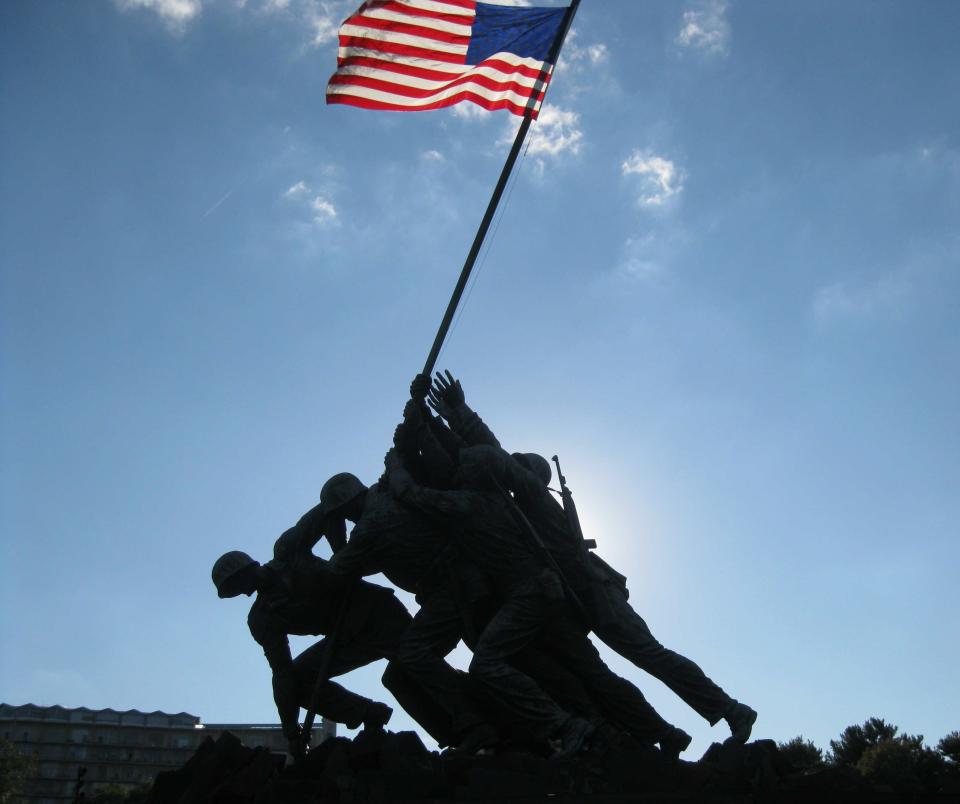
(318, 204)
(556, 132)
(324, 211)
(577, 58)
(648, 258)
(216, 206)
(470, 111)
(846, 300)
(705, 28)
(432, 156)
(175, 13)
(298, 189)
(659, 179)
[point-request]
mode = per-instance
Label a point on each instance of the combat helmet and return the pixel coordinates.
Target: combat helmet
(339, 490)
(537, 464)
(226, 567)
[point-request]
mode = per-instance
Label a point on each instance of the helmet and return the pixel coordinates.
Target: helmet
(339, 490)
(537, 464)
(227, 566)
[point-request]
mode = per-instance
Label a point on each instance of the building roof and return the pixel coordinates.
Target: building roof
(81, 714)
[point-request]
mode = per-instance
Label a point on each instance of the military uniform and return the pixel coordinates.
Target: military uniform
(302, 598)
(409, 549)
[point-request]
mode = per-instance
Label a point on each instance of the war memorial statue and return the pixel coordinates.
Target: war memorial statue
(495, 560)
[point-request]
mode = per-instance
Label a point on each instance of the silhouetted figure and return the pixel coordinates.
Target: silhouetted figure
(407, 547)
(603, 590)
(295, 594)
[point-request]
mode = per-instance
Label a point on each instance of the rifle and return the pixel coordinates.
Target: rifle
(323, 676)
(586, 545)
(570, 509)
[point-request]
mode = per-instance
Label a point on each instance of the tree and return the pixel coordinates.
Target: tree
(14, 769)
(949, 747)
(902, 762)
(848, 750)
(801, 754)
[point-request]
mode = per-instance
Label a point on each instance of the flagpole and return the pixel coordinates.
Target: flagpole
(498, 190)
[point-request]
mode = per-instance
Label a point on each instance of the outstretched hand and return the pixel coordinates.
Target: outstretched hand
(447, 389)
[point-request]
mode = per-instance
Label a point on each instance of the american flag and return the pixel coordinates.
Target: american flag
(414, 55)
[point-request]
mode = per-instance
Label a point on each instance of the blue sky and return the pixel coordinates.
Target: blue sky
(724, 289)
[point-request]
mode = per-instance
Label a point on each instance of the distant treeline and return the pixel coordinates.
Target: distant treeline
(879, 752)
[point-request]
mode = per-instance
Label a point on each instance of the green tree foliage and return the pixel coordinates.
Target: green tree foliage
(14, 769)
(949, 747)
(801, 754)
(902, 762)
(855, 740)
(118, 794)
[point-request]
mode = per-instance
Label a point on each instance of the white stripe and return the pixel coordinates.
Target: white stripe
(422, 22)
(403, 39)
(439, 6)
(426, 83)
(440, 66)
(412, 103)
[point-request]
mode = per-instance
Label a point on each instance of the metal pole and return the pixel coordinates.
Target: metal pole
(498, 190)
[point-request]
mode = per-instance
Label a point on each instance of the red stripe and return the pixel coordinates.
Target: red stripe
(402, 50)
(492, 106)
(417, 92)
(409, 29)
(435, 75)
(401, 8)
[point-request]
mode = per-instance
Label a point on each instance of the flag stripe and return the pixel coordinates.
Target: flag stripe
(401, 50)
(386, 106)
(437, 71)
(484, 96)
(434, 33)
(349, 32)
(429, 89)
(414, 10)
(459, 26)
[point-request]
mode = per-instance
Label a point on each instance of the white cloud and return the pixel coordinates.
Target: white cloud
(660, 179)
(705, 28)
(324, 211)
(648, 258)
(176, 13)
(470, 111)
(298, 189)
(581, 66)
(432, 156)
(556, 132)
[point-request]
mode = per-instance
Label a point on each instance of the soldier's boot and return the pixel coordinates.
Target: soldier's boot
(740, 718)
(674, 743)
(377, 715)
(572, 736)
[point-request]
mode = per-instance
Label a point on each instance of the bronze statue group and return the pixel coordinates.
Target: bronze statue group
(495, 560)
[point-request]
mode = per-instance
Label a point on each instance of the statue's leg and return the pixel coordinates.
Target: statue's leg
(435, 631)
(630, 636)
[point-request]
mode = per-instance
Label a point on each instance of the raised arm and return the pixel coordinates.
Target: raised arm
(443, 505)
(447, 398)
